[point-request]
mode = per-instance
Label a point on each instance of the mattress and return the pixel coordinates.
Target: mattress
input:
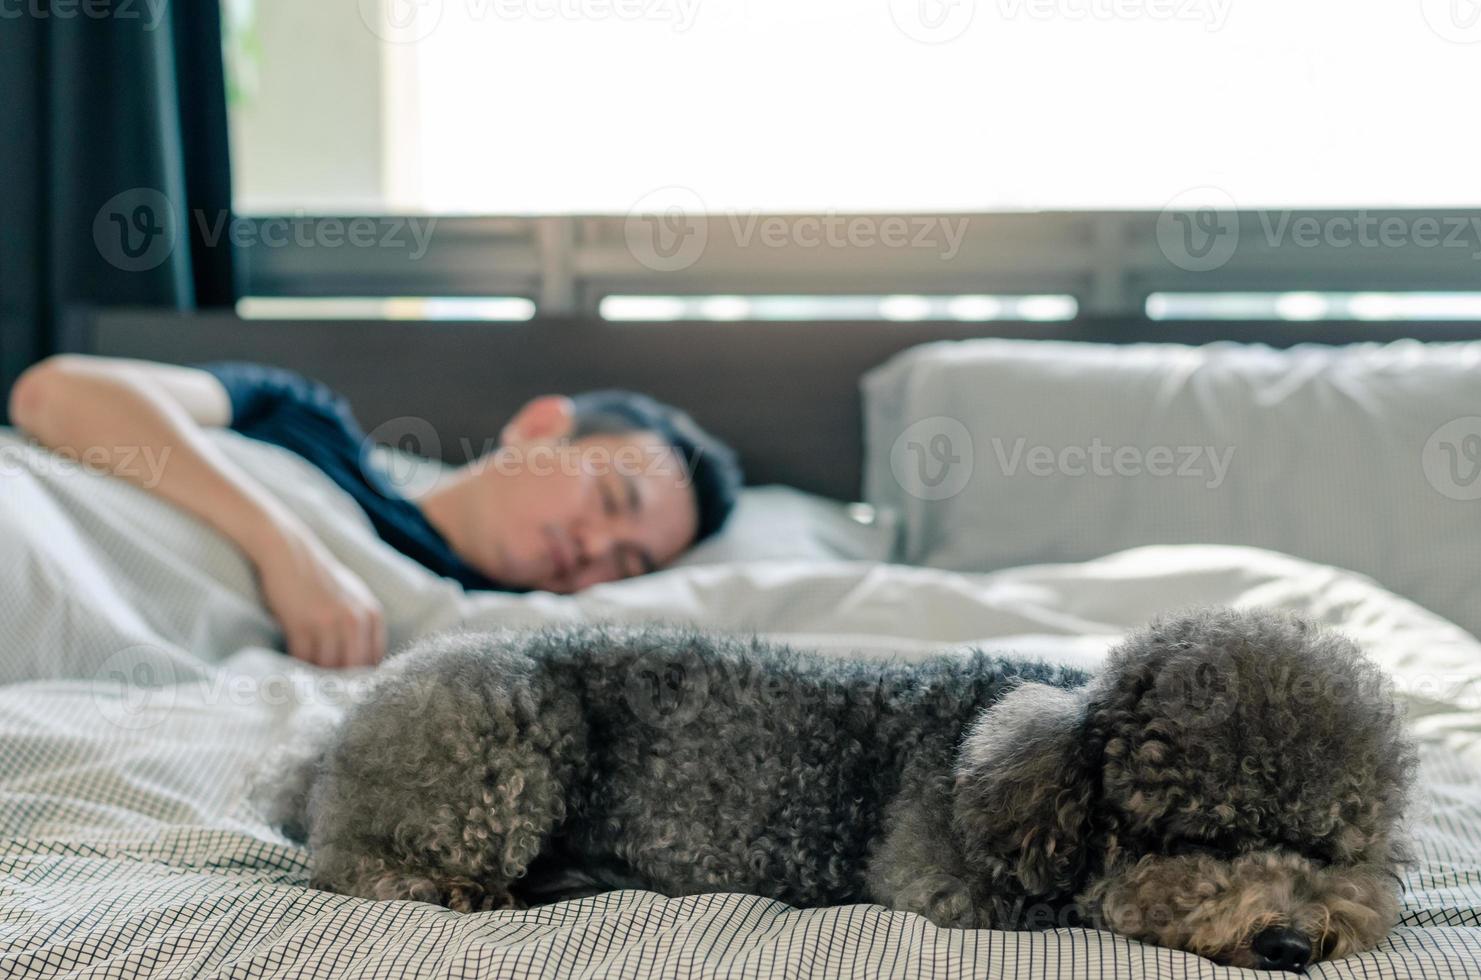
(143, 698)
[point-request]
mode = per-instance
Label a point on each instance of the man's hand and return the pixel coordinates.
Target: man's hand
(329, 616)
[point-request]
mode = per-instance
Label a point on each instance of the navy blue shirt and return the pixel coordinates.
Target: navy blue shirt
(314, 421)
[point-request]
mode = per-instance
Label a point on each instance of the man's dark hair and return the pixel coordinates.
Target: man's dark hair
(713, 469)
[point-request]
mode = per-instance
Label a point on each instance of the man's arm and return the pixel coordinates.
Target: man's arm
(107, 410)
(103, 408)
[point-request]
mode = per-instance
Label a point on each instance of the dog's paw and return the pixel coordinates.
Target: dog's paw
(457, 893)
(462, 895)
(944, 899)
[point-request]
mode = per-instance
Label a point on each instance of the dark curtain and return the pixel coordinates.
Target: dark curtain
(113, 159)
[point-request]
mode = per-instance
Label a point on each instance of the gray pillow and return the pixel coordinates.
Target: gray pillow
(998, 453)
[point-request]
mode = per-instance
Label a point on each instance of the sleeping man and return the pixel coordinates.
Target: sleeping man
(581, 490)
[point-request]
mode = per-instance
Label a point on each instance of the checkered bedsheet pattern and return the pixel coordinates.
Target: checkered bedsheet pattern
(128, 850)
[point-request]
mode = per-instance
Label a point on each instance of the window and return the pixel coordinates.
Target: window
(575, 150)
(1314, 306)
(585, 106)
(509, 308)
(983, 308)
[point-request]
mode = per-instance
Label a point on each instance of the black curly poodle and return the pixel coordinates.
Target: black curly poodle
(1230, 783)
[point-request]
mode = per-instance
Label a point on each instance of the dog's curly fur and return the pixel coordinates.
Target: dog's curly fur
(1227, 773)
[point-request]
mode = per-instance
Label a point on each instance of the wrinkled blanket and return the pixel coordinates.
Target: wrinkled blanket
(141, 688)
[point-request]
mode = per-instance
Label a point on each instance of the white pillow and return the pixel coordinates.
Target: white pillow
(998, 453)
(768, 522)
(781, 522)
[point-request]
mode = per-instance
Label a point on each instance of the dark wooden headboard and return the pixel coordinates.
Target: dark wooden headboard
(784, 394)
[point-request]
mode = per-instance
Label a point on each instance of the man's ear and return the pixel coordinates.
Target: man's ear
(1024, 786)
(543, 419)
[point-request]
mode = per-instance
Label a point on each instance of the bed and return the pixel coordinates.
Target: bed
(141, 696)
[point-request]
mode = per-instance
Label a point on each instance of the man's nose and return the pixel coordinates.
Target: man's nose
(592, 540)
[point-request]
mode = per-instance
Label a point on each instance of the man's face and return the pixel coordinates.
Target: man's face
(563, 515)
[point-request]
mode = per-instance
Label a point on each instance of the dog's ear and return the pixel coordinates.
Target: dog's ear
(1024, 787)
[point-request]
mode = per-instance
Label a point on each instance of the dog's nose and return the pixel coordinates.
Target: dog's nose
(1279, 948)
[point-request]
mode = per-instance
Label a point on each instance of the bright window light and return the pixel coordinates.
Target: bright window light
(905, 308)
(1046, 308)
(385, 308)
(650, 308)
(588, 106)
(975, 308)
(725, 308)
(1302, 306)
(1314, 306)
(839, 308)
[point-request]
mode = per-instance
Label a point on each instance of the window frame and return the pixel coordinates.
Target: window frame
(1109, 261)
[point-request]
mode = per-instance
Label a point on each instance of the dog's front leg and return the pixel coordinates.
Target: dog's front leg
(444, 785)
(917, 866)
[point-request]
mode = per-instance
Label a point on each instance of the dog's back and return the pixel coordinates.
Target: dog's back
(663, 758)
(722, 763)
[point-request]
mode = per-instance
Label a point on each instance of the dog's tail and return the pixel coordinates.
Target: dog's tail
(280, 789)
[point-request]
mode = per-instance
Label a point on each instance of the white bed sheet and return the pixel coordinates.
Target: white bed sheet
(144, 689)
